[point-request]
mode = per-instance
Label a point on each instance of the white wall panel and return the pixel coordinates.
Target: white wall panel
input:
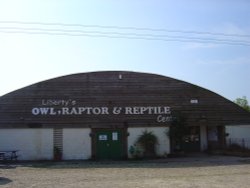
(238, 134)
(76, 144)
(33, 144)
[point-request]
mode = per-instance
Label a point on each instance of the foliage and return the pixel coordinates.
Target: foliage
(135, 151)
(177, 131)
(235, 147)
(237, 150)
(57, 154)
(243, 103)
(57, 150)
(148, 142)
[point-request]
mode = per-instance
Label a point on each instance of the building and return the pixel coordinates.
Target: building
(101, 114)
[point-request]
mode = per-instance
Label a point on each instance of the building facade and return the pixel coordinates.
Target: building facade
(100, 115)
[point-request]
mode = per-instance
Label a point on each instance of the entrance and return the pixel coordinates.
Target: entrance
(191, 141)
(109, 144)
(216, 137)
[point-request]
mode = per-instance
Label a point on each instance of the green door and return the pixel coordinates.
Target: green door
(109, 144)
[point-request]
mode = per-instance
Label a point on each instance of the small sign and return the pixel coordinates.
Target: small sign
(103, 137)
(194, 101)
(114, 136)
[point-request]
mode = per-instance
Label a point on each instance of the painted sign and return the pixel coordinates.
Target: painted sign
(114, 136)
(68, 107)
(135, 110)
(103, 137)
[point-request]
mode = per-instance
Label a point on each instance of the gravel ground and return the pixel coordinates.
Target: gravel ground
(209, 171)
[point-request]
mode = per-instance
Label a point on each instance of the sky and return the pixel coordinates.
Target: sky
(176, 38)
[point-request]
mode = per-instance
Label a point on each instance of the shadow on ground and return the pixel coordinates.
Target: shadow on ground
(182, 162)
(4, 181)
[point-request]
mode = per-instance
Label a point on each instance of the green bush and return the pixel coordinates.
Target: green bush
(148, 143)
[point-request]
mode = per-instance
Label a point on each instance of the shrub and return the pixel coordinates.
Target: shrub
(148, 143)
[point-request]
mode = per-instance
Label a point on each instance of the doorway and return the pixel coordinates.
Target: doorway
(191, 141)
(109, 144)
(216, 137)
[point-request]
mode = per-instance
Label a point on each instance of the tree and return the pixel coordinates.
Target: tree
(242, 102)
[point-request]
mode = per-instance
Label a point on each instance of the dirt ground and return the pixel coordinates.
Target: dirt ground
(209, 171)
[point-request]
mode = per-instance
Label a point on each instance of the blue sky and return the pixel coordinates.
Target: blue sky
(29, 58)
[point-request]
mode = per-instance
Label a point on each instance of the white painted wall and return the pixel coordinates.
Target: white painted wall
(76, 143)
(33, 144)
(163, 146)
(237, 133)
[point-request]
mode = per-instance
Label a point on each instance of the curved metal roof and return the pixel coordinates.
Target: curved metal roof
(111, 89)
